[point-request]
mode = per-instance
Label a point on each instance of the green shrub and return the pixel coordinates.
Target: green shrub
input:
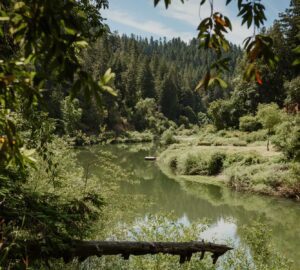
(228, 141)
(255, 136)
(193, 165)
(204, 143)
(269, 115)
(107, 135)
(206, 163)
(243, 159)
(240, 179)
(287, 138)
(183, 120)
(249, 123)
(173, 163)
(203, 118)
(222, 133)
(239, 143)
(190, 114)
(188, 132)
(210, 129)
(215, 163)
(266, 178)
(71, 115)
(223, 114)
(168, 137)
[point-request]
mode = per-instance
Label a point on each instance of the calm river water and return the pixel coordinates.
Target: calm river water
(190, 201)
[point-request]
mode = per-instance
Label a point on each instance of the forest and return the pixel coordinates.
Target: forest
(81, 106)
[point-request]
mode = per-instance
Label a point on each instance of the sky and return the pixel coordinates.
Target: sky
(139, 17)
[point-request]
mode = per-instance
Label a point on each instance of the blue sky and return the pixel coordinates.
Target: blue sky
(139, 17)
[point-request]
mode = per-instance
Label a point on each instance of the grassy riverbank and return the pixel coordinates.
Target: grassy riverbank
(237, 159)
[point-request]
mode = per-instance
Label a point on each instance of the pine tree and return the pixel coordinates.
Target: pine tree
(145, 80)
(168, 100)
(129, 78)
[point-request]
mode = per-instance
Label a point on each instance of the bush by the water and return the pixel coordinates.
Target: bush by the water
(266, 178)
(206, 163)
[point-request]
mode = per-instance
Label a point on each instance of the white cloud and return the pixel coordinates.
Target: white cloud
(149, 26)
(191, 13)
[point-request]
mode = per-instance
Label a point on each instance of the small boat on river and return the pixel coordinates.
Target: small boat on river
(150, 158)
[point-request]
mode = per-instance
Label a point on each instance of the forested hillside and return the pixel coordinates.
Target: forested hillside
(158, 76)
(156, 79)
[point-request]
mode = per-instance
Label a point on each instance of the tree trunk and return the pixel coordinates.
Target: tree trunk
(85, 249)
(268, 141)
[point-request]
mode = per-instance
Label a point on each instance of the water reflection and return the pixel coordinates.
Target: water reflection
(191, 201)
(221, 231)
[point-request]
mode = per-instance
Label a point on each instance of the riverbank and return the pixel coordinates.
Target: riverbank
(247, 168)
(151, 192)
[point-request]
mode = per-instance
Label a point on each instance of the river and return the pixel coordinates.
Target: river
(191, 201)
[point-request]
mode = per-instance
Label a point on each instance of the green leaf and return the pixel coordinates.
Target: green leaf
(107, 77)
(81, 43)
(296, 62)
(4, 19)
(297, 50)
(221, 82)
(109, 90)
(19, 5)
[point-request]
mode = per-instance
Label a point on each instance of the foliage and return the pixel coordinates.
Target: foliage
(223, 114)
(164, 71)
(269, 115)
(256, 136)
(257, 237)
(249, 123)
(206, 163)
(221, 138)
(50, 204)
(265, 178)
(135, 137)
(287, 138)
(147, 117)
(243, 159)
(293, 91)
(168, 137)
(168, 99)
(45, 57)
(168, 228)
(60, 32)
(41, 43)
(71, 115)
(212, 32)
(190, 114)
(243, 169)
(203, 119)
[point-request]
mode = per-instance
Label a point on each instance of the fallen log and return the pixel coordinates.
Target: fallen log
(85, 249)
